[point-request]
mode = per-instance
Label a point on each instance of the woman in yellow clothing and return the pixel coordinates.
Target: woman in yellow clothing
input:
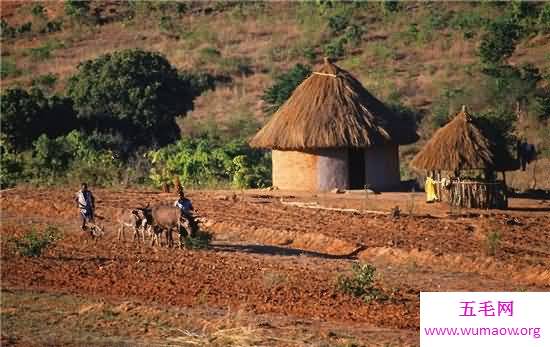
(431, 191)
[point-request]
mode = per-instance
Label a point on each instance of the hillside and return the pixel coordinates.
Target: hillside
(420, 55)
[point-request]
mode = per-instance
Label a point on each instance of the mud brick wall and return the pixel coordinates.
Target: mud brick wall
(294, 170)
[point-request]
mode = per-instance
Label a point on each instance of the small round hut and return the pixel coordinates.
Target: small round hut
(463, 149)
(332, 133)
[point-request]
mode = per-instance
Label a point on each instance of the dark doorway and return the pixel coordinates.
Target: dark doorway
(356, 168)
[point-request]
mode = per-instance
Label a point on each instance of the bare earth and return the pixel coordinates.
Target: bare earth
(269, 278)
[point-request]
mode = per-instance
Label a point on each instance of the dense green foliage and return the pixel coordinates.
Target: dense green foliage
(206, 161)
(33, 243)
(499, 42)
(27, 115)
(134, 93)
(283, 86)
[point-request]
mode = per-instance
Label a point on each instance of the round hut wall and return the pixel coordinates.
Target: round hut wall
(342, 168)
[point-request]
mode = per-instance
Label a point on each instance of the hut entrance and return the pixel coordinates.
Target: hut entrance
(356, 168)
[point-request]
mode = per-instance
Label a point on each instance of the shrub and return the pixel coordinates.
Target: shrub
(499, 42)
(38, 11)
(77, 8)
(6, 31)
(390, 6)
(338, 23)
(33, 243)
(335, 48)
(544, 18)
(11, 166)
(24, 28)
(8, 68)
(207, 161)
(51, 27)
(283, 87)
(361, 283)
(201, 240)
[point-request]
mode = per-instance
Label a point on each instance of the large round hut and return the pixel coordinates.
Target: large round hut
(471, 157)
(332, 133)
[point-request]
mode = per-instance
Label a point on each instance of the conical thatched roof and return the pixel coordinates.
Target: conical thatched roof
(332, 109)
(462, 145)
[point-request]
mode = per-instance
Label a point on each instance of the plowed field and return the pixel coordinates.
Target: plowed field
(269, 276)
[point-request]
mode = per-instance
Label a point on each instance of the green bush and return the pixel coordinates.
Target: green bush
(33, 243)
(6, 31)
(390, 6)
(338, 23)
(544, 18)
(209, 161)
(38, 11)
(8, 68)
(51, 27)
(24, 28)
(201, 240)
(361, 283)
(283, 87)
(11, 166)
(336, 48)
(77, 8)
(499, 42)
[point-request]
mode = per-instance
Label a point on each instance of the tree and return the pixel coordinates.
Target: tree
(20, 117)
(28, 114)
(283, 87)
(499, 42)
(132, 92)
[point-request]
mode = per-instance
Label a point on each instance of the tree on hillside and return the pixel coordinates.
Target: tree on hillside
(499, 42)
(28, 114)
(135, 93)
(284, 85)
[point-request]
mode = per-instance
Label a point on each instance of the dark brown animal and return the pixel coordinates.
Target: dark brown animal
(162, 219)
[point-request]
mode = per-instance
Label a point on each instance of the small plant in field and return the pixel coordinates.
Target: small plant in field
(492, 242)
(361, 283)
(33, 243)
(201, 240)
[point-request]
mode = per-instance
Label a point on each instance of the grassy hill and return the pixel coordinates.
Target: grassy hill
(420, 55)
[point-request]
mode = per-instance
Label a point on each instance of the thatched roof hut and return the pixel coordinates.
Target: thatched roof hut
(462, 145)
(332, 109)
(332, 133)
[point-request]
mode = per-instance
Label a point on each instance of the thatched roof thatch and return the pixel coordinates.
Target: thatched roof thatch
(462, 145)
(331, 109)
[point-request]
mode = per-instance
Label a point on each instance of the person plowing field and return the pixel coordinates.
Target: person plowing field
(187, 219)
(85, 203)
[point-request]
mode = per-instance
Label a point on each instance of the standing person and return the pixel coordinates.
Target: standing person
(85, 203)
(186, 215)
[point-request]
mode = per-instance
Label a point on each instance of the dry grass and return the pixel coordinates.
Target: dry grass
(460, 145)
